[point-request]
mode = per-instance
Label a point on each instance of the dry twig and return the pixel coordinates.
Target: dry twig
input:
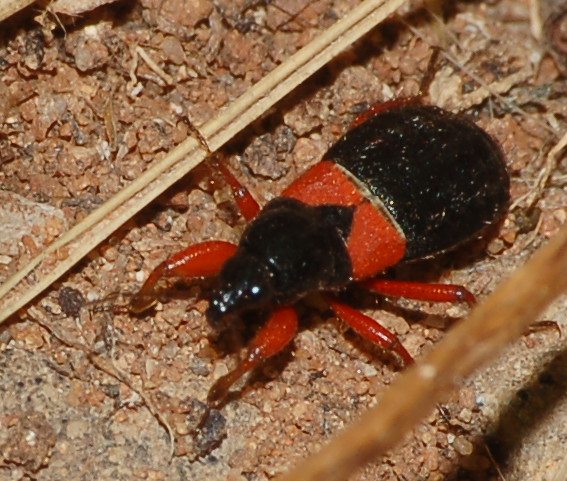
(503, 317)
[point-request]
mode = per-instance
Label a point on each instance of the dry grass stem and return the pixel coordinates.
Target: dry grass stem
(536, 21)
(60, 256)
(154, 66)
(503, 317)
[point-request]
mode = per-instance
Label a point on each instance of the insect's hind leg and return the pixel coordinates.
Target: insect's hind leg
(421, 291)
(370, 329)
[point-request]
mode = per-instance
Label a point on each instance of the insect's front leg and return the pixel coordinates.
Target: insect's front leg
(200, 260)
(272, 338)
(247, 205)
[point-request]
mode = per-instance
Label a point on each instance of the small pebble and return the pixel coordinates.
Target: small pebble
(211, 433)
(71, 301)
(465, 415)
(463, 446)
(92, 296)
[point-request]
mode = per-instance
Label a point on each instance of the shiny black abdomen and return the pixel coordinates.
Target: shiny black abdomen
(442, 178)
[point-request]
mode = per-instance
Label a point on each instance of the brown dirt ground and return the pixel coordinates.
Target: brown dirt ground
(80, 117)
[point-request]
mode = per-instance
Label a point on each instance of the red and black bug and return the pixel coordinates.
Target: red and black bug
(406, 182)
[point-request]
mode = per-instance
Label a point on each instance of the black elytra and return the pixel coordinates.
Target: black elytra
(440, 177)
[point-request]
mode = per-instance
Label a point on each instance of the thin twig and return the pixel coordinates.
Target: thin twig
(494, 463)
(153, 65)
(502, 318)
(71, 247)
(536, 21)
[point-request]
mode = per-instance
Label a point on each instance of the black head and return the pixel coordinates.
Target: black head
(244, 284)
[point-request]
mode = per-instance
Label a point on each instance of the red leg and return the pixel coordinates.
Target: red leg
(380, 107)
(370, 329)
(421, 291)
(200, 260)
(249, 208)
(271, 339)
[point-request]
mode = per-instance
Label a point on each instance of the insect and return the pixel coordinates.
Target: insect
(406, 182)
